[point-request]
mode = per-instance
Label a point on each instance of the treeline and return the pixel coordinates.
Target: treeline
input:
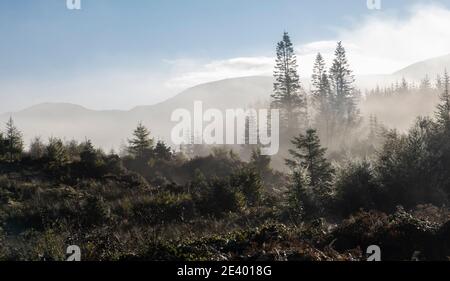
(405, 87)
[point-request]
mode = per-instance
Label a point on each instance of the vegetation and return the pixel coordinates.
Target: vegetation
(155, 203)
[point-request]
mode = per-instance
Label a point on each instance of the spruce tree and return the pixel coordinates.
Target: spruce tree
(56, 153)
(439, 83)
(162, 151)
(14, 142)
(288, 95)
(322, 98)
(261, 163)
(308, 154)
(299, 194)
(344, 95)
(37, 148)
(141, 145)
(88, 154)
(425, 84)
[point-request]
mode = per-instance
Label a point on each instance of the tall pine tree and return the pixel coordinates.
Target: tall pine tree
(308, 154)
(311, 176)
(288, 95)
(141, 145)
(13, 141)
(322, 98)
(345, 96)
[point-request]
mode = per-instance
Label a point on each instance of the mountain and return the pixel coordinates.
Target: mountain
(431, 67)
(111, 128)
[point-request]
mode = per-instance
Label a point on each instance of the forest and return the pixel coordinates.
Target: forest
(340, 183)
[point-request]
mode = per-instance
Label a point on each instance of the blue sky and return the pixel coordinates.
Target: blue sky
(50, 53)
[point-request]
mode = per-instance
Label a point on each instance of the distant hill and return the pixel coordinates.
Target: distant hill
(111, 128)
(431, 67)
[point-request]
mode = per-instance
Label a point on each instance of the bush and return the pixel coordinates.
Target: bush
(164, 208)
(356, 189)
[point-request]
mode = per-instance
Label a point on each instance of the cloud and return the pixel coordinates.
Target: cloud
(217, 70)
(381, 43)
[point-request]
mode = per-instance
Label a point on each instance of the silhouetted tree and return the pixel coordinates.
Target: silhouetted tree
(141, 145)
(309, 155)
(288, 95)
(248, 182)
(14, 142)
(37, 148)
(344, 94)
(322, 99)
(56, 154)
(162, 151)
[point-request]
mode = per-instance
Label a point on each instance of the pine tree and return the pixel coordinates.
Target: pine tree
(56, 153)
(322, 98)
(14, 142)
(88, 154)
(37, 148)
(141, 145)
(439, 83)
(309, 155)
(260, 163)
(299, 194)
(162, 151)
(425, 84)
(404, 87)
(344, 94)
(288, 95)
(443, 109)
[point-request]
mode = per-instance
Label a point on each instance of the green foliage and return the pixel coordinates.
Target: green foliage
(37, 149)
(56, 155)
(344, 96)
(248, 182)
(164, 208)
(322, 99)
(141, 145)
(356, 188)
(12, 142)
(260, 163)
(162, 151)
(308, 154)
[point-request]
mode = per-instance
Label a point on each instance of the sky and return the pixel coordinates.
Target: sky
(116, 54)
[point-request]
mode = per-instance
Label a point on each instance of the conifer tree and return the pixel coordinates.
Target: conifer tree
(288, 95)
(439, 83)
(88, 154)
(141, 145)
(261, 163)
(299, 194)
(56, 153)
(308, 154)
(425, 84)
(14, 142)
(37, 148)
(162, 151)
(344, 94)
(322, 98)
